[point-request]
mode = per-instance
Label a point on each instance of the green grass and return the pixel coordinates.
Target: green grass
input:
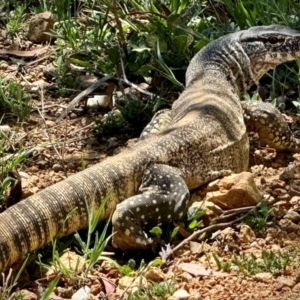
(274, 262)
(9, 282)
(259, 219)
(8, 164)
(14, 100)
(249, 264)
(161, 290)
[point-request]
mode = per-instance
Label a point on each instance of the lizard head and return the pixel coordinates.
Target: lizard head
(269, 46)
(243, 57)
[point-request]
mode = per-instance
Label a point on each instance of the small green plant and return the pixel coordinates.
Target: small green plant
(8, 164)
(194, 216)
(270, 261)
(14, 100)
(254, 97)
(249, 264)
(91, 249)
(128, 269)
(93, 254)
(134, 114)
(9, 283)
(63, 75)
(152, 290)
(111, 123)
(160, 290)
(138, 113)
(16, 17)
(222, 266)
(258, 220)
(51, 287)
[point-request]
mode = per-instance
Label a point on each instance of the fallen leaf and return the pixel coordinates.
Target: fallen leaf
(28, 53)
(109, 286)
(198, 270)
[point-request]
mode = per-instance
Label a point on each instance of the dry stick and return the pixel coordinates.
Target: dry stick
(166, 254)
(125, 80)
(84, 93)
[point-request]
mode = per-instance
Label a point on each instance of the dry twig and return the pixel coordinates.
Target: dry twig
(166, 254)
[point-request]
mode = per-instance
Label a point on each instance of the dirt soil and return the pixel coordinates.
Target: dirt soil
(67, 147)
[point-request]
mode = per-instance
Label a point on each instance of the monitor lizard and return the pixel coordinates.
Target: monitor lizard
(202, 137)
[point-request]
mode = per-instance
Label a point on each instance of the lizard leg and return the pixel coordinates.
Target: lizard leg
(160, 121)
(164, 197)
(270, 125)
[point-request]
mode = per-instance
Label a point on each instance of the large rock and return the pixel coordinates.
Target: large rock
(39, 25)
(234, 191)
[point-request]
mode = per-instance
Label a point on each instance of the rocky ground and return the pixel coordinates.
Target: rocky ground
(236, 263)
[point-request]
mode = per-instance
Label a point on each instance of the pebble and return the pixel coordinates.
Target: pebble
(181, 294)
(57, 167)
(293, 216)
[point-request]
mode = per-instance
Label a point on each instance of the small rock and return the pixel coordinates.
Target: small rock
(296, 288)
(37, 85)
(72, 166)
(73, 116)
(235, 191)
(131, 284)
(288, 225)
(42, 163)
(57, 167)
(185, 277)
(39, 25)
(181, 294)
(284, 281)
(297, 277)
(95, 289)
(263, 277)
(27, 295)
(3, 33)
(71, 261)
(50, 123)
(199, 248)
(155, 275)
(278, 184)
(246, 234)
(293, 216)
(64, 292)
(5, 128)
(255, 245)
(98, 101)
(81, 294)
(288, 173)
(277, 192)
(295, 200)
(4, 65)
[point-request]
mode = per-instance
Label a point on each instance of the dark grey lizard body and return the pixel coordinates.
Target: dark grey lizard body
(204, 138)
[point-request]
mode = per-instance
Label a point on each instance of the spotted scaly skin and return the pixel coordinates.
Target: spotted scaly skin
(202, 138)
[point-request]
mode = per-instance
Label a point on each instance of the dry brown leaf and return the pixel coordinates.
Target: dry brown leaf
(109, 286)
(28, 53)
(198, 270)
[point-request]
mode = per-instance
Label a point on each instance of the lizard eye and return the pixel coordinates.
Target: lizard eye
(273, 40)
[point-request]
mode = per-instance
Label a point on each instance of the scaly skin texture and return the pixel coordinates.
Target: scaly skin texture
(203, 137)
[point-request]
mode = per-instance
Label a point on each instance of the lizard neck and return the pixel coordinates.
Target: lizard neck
(226, 61)
(210, 92)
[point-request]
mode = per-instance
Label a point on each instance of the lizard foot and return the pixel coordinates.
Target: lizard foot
(270, 125)
(164, 197)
